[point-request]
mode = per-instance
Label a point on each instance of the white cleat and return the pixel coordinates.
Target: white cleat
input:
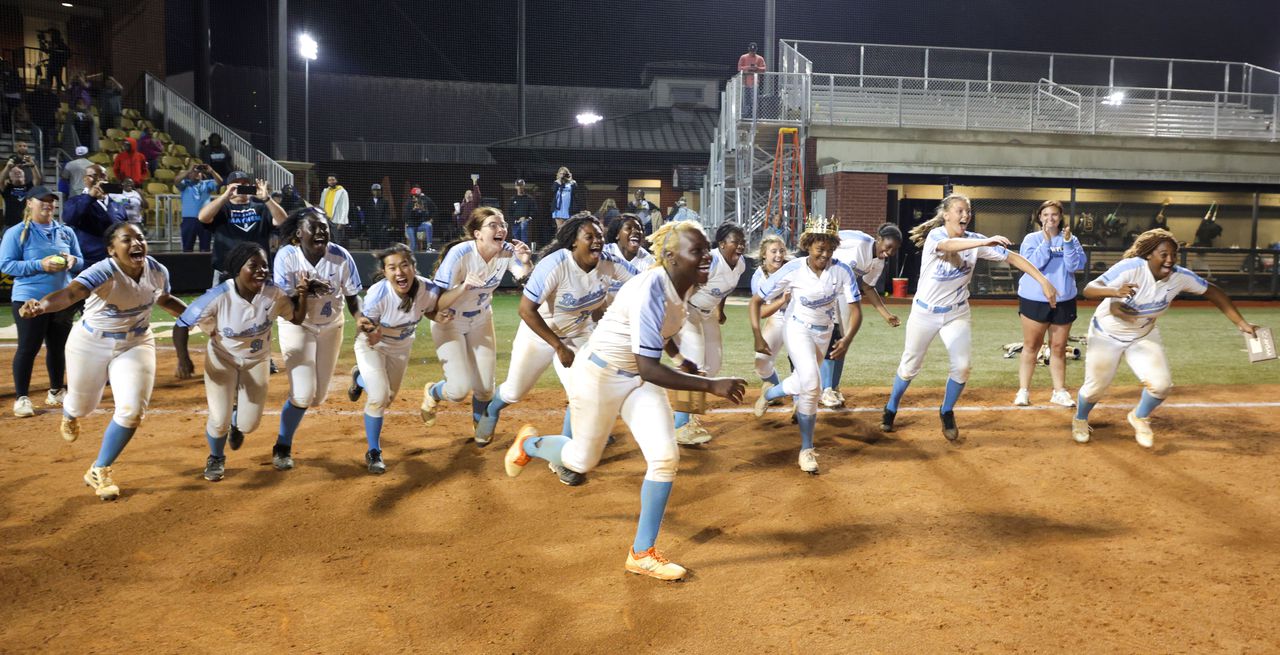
(428, 406)
(809, 461)
(1023, 398)
(22, 407)
(1063, 398)
(653, 564)
(1142, 430)
(1080, 430)
(762, 403)
(99, 477)
(831, 399)
(692, 433)
(70, 428)
(55, 398)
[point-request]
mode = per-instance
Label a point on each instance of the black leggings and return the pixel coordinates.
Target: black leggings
(50, 329)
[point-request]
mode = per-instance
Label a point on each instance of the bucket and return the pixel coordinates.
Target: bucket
(900, 287)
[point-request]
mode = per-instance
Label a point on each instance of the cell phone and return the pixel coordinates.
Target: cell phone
(111, 187)
(246, 189)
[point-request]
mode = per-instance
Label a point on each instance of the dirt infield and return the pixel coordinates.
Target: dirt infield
(1017, 541)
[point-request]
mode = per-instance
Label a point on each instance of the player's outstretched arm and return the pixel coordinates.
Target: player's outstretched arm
(529, 314)
(957, 244)
(754, 312)
(871, 292)
(1222, 301)
(172, 305)
(353, 306)
(1019, 262)
(56, 301)
(852, 323)
(653, 370)
(1097, 290)
(186, 369)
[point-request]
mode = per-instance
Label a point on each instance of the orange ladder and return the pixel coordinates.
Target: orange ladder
(786, 183)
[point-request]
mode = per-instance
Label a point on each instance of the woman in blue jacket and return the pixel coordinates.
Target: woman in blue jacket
(41, 255)
(1058, 255)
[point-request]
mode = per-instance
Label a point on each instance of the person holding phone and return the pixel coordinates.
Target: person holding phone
(197, 183)
(16, 186)
(244, 212)
(92, 213)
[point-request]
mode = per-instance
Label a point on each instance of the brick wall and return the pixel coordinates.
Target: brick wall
(136, 42)
(859, 199)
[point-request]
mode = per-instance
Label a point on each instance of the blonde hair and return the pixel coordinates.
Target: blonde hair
(667, 238)
(1147, 242)
(921, 231)
(606, 206)
(26, 220)
(770, 240)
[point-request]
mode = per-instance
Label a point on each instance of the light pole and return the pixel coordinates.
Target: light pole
(309, 49)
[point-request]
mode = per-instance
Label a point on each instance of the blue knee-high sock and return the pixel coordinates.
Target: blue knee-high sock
(495, 407)
(837, 372)
(290, 416)
(546, 447)
(807, 423)
(772, 379)
(681, 419)
(827, 372)
(437, 390)
(478, 408)
(113, 442)
(951, 396)
(217, 445)
(775, 392)
(653, 504)
(895, 396)
(567, 428)
(373, 431)
(1147, 404)
(1083, 407)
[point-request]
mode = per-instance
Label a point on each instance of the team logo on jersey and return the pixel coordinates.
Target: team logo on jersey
(245, 218)
(568, 302)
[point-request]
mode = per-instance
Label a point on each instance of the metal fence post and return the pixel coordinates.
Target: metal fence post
(1216, 104)
(831, 104)
(966, 104)
(899, 102)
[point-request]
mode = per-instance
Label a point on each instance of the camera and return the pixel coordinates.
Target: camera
(111, 187)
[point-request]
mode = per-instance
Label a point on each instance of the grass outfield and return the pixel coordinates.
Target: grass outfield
(1202, 345)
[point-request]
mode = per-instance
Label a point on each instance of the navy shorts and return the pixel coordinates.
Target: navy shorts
(1041, 312)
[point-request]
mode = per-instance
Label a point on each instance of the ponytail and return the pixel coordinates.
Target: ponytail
(920, 232)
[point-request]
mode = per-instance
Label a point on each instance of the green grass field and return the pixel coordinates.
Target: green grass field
(1202, 345)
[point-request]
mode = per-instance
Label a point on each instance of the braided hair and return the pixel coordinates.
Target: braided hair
(615, 228)
(921, 231)
(1147, 242)
(289, 228)
(568, 233)
(667, 238)
(406, 302)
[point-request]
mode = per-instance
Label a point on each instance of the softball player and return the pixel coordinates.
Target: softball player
(569, 284)
(237, 315)
(465, 344)
(699, 339)
(1135, 292)
(619, 371)
(622, 240)
(949, 254)
(388, 325)
(772, 256)
(112, 341)
(865, 256)
(821, 288)
(311, 349)
(1059, 255)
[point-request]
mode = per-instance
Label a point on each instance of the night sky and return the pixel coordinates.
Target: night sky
(607, 43)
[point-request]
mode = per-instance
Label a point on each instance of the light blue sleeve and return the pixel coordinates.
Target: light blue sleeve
(1120, 267)
(545, 277)
(646, 323)
(1035, 249)
(11, 255)
(197, 309)
(372, 308)
(1073, 255)
(94, 276)
(1189, 282)
(445, 273)
(352, 285)
(164, 272)
(74, 244)
(280, 269)
(852, 292)
(780, 281)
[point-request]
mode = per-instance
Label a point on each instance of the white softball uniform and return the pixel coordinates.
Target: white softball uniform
(700, 337)
(857, 250)
(1126, 327)
(566, 297)
(605, 381)
(236, 360)
(113, 341)
(466, 345)
(383, 364)
(941, 304)
(770, 329)
(311, 350)
(641, 262)
(808, 321)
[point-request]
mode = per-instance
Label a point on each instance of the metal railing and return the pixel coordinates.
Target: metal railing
(189, 124)
(164, 230)
(452, 153)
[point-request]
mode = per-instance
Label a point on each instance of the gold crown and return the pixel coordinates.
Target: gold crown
(827, 225)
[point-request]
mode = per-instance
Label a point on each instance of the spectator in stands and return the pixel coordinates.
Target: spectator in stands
(129, 163)
(41, 255)
(336, 204)
(90, 214)
(11, 88)
(646, 210)
(470, 200)
(151, 149)
(375, 217)
(779, 228)
(683, 213)
(749, 64)
(521, 210)
(216, 155)
(109, 103)
(609, 212)
(133, 203)
(58, 53)
(290, 200)
(81, 120)
(567, 200)
(197, 183)
(79, 92)
(14, 189)
(418, 213)
(237, 216)
(43, 107)
(71, 179)
(22, 158)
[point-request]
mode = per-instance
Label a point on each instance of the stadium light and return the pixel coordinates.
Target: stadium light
(589, 117)
(1114, 98)
(307, 47)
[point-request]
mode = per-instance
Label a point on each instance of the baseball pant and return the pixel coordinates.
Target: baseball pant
(381, 373)
(230, 386)
(597, 396)
(922, 326)
(700, 340)
(130, 365)
(806, 345)
(1144, 355)
(530, 357)
(467, 352)
(310, 356)
(772, 333)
